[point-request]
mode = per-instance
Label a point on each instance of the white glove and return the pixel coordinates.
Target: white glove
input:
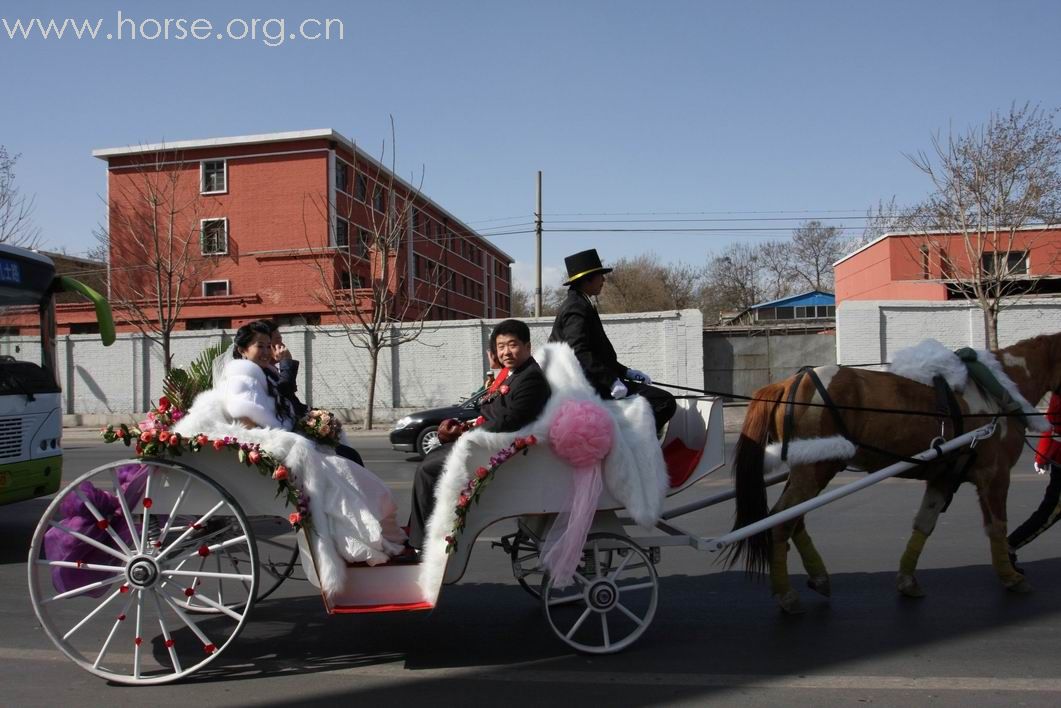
(639, 376)
(1041, 469)
(618, 389)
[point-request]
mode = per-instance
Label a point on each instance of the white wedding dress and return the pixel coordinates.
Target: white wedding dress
(353, 513)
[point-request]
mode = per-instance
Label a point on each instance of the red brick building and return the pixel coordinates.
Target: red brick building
(277, 218)
(931, 266)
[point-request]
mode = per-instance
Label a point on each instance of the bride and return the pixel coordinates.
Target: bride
(351, 507)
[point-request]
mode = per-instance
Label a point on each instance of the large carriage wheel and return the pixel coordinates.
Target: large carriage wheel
(110, 595)
(610, 602)
(278, 556)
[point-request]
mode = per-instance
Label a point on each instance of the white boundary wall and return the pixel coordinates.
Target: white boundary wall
(872, 331)
(446, 363)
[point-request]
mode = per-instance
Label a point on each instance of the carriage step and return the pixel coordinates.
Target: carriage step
(376, 609)
(381, 588)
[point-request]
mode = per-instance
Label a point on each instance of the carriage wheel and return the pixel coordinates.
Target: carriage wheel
(111, 595)
(526, 563)
(278, 555)
(610, 602)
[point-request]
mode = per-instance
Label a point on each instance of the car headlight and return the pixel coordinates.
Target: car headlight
(403, 423)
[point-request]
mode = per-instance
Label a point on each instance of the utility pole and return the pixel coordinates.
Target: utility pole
(538, 250)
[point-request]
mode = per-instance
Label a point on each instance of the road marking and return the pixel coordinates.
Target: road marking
(397, 671)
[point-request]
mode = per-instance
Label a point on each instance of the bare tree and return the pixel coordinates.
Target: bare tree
(376, 305)
(159, 252)
(993, 184)
(522, 302)
(777, 269)
(880, 219)
(815, 247)
(16, 210)
(731, 281)
(644, 284)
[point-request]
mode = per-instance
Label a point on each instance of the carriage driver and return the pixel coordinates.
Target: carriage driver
(510, 407)
(578, 324)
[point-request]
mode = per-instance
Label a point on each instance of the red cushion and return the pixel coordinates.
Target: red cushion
(681, 461)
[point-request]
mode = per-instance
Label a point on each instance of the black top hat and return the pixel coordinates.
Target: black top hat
(582, 264)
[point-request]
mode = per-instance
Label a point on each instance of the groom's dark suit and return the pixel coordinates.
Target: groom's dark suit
(527, 394)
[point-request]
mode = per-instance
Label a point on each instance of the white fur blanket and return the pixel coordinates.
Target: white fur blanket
(352, 511)
(634, 471)
(929, 357)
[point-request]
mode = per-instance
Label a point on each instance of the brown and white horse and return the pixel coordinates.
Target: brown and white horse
(1034, 365)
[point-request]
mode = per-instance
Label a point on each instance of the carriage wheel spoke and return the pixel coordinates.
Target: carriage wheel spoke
(553, 602)
(604, 629)
(618, 569)
(578, 623)
(83, 566)
(581, 578)
(90, 541)
(87, 618)
(110, 635)
(205, 574)
(220, 607)
(188, 621)
(126, 514)
(84, 588)
(173, 511)
(99, 517)
(634, 618)
(144, 522)
(639, 586)
(138, 636)
(213, 549)
(191, 527)
(166, 636)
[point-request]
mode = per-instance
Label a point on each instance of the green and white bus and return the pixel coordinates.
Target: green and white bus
(31, 415)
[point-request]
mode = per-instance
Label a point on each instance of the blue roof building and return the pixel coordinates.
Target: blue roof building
(797, 309)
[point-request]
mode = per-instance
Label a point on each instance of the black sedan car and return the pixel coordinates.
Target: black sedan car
(419, 432)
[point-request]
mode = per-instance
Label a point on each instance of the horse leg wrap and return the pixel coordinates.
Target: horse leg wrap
(818, 579)
(779, 584)
(908, 562)
(1009, 576)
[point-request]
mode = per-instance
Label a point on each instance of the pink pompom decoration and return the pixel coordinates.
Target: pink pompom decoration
(581, 433)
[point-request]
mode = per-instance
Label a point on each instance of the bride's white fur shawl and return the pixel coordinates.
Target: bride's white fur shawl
(634, 471)
(340, 522)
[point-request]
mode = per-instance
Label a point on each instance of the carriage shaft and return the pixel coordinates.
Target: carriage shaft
(799, 510)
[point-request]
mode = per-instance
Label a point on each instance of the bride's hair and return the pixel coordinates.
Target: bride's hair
(242, 339)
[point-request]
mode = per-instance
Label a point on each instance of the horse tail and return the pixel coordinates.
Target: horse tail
(748, 473)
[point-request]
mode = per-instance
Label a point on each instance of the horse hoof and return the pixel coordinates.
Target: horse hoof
(789, 603)
(1021, 587)
(820, 584)
(908, 586)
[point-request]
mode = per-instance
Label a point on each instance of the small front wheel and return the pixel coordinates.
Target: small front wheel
(427, 440)
(611, 600)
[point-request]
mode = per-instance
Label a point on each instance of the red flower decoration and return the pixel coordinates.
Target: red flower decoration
(138, 641)
(280, 473)
(121, 617)
(174, 440)
(532, 440)
(102, 524)
(147, 436)
(163, 436)
(504, 389)
(449, 539)
(209, 648)
(482, 472)
(204, 550)
(169, 643)
(119, 433)
(294, 518)
(188, 592)
(202, 439)
(80, 564)
(163, 404)
(254, 456)
(463, 501)
(148, 503)
(123, 589)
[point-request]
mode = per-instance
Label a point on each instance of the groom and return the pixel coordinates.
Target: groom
(516, 403)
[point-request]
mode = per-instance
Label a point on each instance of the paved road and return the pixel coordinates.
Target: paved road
(717, 638)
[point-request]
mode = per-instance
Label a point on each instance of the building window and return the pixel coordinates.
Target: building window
(379, 201)
(416, 220)
(213, 237)
(210, 323)
(360, 188)
(349, 282)
(342, 176)
(215, 288)
(212, 176)
(84, 328)
(1005, 264)
(342, 233)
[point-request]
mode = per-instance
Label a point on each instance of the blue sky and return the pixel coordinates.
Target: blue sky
(704, 108)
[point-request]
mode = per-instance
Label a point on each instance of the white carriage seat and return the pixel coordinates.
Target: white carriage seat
(635, 474)
(694, 445)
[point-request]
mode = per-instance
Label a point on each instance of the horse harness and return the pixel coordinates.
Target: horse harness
(956, 464)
